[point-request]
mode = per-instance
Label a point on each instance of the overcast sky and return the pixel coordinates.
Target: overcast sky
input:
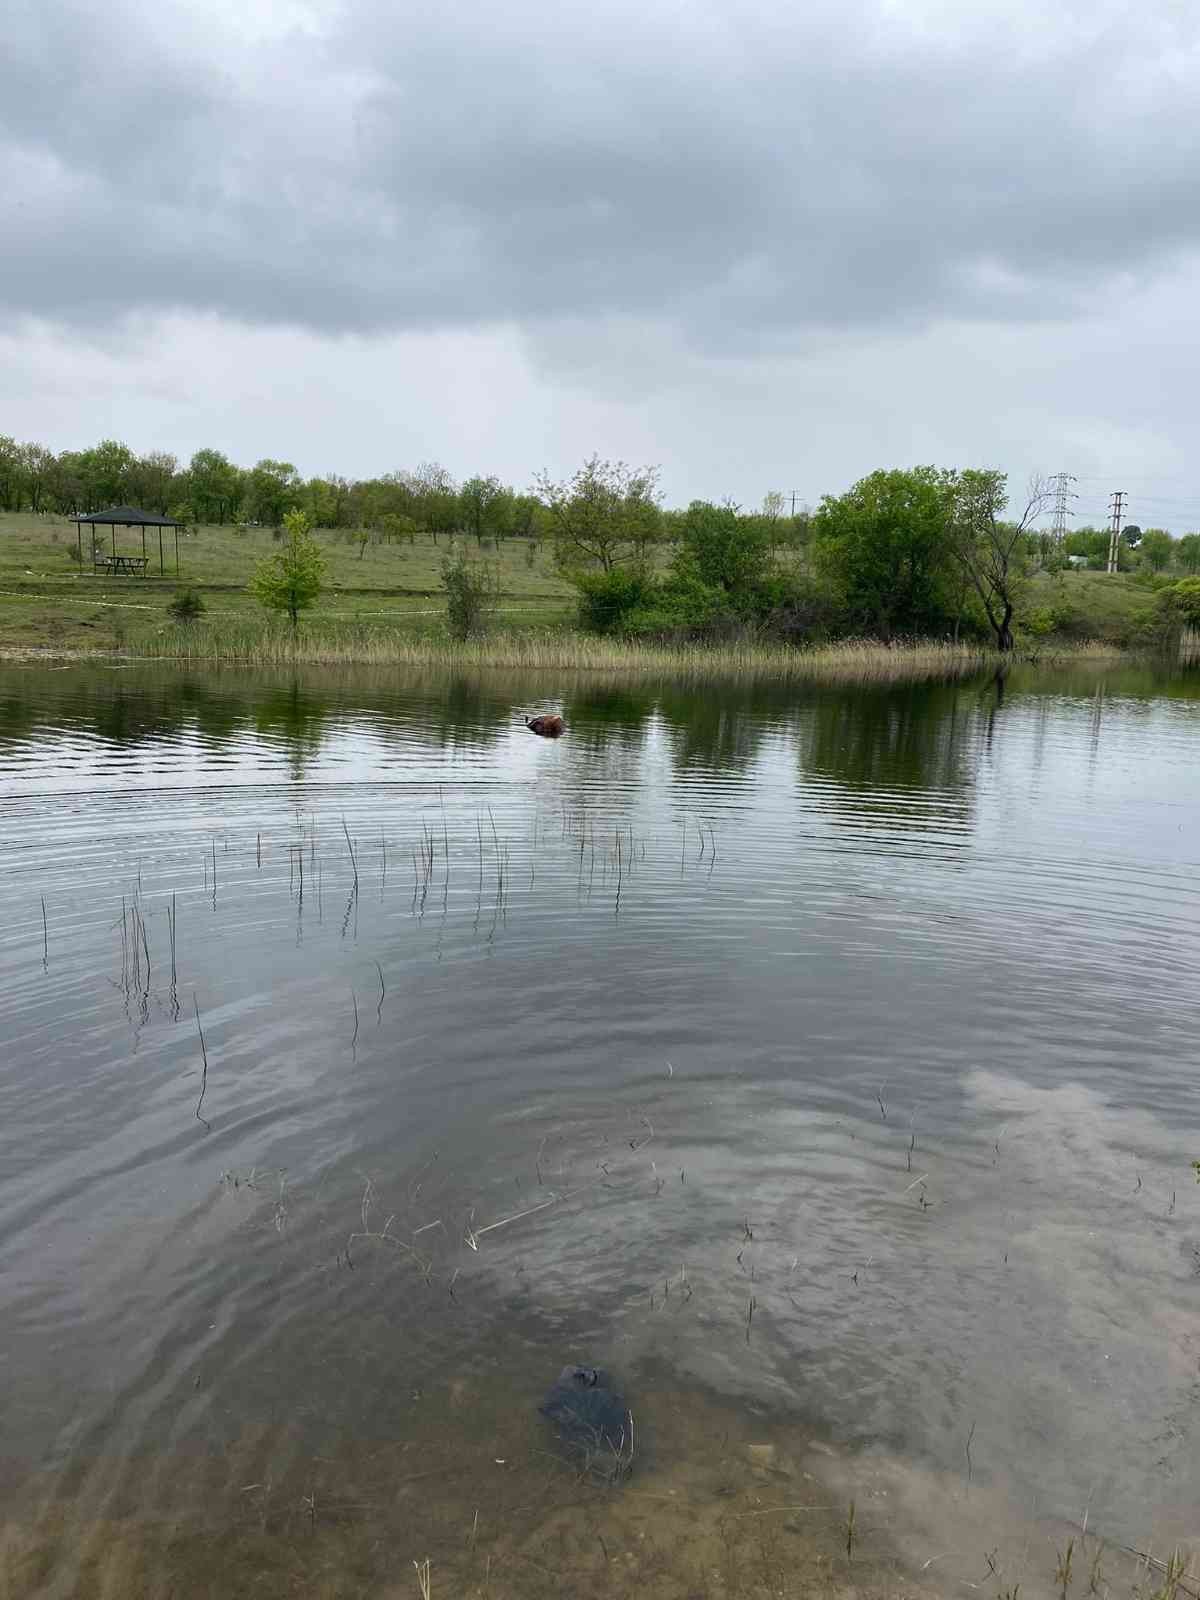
(763, 243)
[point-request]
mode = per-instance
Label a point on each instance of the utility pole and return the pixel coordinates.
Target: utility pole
(1062, 494)
(1114, 541)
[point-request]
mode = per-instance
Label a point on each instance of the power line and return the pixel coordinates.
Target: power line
(1062, 494)
(1114, 539)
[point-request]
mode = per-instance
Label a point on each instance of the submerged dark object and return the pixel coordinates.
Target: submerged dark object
(592, 1417)
(549, 726)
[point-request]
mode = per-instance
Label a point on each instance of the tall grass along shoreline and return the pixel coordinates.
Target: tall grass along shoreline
(851, 661)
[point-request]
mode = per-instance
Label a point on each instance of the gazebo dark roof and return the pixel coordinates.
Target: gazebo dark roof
(115, 517)
(129, 517)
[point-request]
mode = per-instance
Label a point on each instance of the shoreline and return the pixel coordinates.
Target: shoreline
(849, 661)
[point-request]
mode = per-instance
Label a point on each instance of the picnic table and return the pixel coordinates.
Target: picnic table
(131, 566)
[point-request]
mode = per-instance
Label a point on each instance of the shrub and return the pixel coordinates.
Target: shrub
(472, 594)
(1060, 617)
(1187, 597)
(1176, 607)
(187, 606)
(608, 599)
(1039, 622)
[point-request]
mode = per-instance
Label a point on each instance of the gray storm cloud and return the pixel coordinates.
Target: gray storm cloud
(741, 173)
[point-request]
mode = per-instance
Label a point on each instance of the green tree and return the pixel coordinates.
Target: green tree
(320, 503)
(273, 490)
(528, 517)
(884, 547)
(1093, 543)
(151, 480)
(12, 473)
(1188, 551)
(340, 497)
(290, 580)
(645, 527)
(434, 499)
(330, 502)
(395, 525)
(1156, 549)
(482, 506)
(992, 553)
(431, 498)
(65, 482)
(213, 487)
(788, 528)
(37, 465)
(725, 551)
(106, 472)
(184, 513)
(774, 505)
(604, 515)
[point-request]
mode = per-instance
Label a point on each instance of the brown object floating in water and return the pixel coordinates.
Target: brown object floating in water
(549, 726)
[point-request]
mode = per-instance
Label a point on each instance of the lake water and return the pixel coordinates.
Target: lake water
(823, 1063)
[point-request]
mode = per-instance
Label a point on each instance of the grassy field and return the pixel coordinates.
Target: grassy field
(46, 600)
(38, 548)
(1103, 606)
(385, 602)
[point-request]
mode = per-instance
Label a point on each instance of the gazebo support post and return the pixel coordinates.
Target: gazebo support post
(176, 549)
(79, 538)
(113, 530)
(161, 569)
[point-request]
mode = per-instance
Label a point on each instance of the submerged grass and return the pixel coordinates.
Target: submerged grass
(852, 661)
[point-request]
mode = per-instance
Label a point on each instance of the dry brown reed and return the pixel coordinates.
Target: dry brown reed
(853, 661)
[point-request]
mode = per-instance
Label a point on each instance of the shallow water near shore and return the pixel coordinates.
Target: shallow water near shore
(819, 1061)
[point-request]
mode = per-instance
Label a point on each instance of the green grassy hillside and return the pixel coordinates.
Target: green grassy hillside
(48, 601)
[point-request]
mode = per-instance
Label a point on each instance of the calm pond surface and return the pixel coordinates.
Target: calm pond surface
(822, 1062)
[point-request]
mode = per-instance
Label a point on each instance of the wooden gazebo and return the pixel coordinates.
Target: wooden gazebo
(126, 517)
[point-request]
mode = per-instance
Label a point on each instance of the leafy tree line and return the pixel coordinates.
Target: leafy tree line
(1149, 550)
(213, 490)
(920, 552)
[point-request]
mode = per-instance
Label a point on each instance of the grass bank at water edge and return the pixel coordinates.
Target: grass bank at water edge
(852, 661)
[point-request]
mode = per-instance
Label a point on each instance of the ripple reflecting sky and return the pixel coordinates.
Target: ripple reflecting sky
(876, 1010)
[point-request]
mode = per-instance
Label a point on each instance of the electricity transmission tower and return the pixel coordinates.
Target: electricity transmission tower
(1062, 494)
(1114, 538)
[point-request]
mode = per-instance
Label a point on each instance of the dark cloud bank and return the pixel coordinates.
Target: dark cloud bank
(747, 174)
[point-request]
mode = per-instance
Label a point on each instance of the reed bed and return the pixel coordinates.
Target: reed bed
(851, 661)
